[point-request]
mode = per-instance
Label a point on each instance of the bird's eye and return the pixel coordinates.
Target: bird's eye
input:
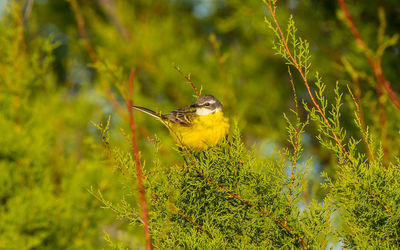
(207, 104)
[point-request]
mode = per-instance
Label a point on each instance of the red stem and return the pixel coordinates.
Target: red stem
(135, 149)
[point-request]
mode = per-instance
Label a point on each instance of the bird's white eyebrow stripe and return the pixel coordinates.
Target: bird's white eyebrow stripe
(210, 102)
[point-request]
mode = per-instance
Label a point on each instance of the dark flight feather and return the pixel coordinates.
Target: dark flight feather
(183, 116)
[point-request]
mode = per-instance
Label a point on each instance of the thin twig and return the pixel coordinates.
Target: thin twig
(380, 202)
(383, 124)
(187, 77)
(135, 149)
(374, 63)
(360, 113)
(110, 8)
(363, 132)
(28, 9)
(82, 30)
(296, 137)
(193, 222)
(357, 92)
(115, 104)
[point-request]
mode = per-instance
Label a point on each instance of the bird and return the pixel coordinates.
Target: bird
(198, 126)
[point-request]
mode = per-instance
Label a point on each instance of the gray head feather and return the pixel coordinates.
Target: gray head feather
(208, 104)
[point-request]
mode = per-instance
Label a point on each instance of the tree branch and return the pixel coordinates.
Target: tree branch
(374, 63)
(187, 77)
(82, 30)
(135, 149)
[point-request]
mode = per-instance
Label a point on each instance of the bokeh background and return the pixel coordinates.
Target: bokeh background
(66, 63)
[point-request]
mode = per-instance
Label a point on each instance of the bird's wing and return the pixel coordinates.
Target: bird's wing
(183, 116)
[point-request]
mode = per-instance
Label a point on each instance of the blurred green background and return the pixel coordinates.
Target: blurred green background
(64, 64)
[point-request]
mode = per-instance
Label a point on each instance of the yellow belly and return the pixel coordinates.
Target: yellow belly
(206, 131)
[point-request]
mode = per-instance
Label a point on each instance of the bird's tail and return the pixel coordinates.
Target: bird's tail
(149, 112)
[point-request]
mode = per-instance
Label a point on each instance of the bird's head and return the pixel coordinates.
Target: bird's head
(207, 104)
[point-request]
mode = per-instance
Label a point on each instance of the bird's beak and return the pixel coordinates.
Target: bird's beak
(194, 106)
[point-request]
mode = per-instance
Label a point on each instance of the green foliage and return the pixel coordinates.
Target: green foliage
(48, 158)
(64, 64)
(226, 197)
(367, 199)
(363, 190)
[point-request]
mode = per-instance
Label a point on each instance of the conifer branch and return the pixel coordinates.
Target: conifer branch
(376, 64)
(107, 204)
(135, 149)
(293, 61)
(237, 197)
(187, 77)
(105, 138)
(271, 8)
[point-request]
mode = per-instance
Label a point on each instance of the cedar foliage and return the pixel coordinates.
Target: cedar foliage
(48, 157)
(56, 177)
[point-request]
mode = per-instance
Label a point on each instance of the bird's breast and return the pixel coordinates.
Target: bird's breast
(206, 131)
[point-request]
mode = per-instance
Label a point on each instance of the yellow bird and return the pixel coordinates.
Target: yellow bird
(199, 126)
